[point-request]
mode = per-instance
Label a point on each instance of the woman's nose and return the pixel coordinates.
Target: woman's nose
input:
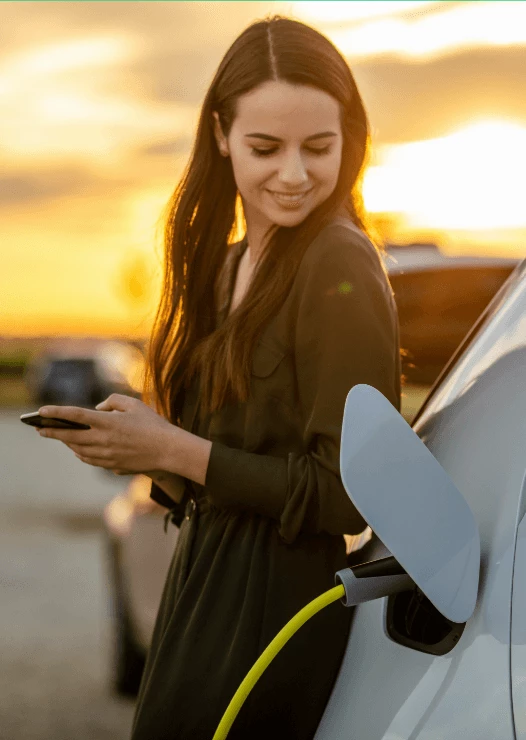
(292, 173)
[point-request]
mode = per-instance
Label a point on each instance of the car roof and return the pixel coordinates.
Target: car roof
(70, 358)
(418, 258)
(87, 349)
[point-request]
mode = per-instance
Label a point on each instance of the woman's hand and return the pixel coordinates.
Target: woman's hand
(126, 435)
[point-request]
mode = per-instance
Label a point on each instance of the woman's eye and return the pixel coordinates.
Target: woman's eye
(325, 150)
(267, 152)
(262, 152)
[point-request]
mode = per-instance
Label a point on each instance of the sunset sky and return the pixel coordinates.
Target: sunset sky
(98, 107)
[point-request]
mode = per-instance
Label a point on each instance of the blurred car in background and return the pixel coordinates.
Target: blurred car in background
(138, 554)
(439, 298)
(84, 373)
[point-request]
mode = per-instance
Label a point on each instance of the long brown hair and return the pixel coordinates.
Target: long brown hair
(203, 218)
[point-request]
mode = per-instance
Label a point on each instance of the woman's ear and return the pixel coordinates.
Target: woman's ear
(220, 138)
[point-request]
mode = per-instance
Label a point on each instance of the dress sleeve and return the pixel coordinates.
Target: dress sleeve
(346, 332)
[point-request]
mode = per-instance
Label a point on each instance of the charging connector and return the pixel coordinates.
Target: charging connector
(373, 580)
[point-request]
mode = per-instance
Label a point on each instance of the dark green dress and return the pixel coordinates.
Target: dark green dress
(264, 535)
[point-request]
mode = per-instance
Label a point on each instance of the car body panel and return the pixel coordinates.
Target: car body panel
(518, 621)
(133, 522)
(147, 543)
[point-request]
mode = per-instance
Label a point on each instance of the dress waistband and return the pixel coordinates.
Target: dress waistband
(176, 514)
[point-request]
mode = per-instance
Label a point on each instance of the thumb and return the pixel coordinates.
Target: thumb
(115, 402)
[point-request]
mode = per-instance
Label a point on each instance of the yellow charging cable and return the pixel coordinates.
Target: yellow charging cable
(270, 653)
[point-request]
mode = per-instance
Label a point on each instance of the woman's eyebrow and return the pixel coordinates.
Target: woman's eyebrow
(322, 135)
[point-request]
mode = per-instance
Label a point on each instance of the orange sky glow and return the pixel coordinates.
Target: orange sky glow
(97, 124)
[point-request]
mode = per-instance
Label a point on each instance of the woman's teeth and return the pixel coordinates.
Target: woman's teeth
(289, 200)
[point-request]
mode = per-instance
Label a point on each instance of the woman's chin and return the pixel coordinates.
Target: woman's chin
(290, 217)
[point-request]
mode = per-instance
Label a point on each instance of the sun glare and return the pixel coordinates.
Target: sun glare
(473, 178)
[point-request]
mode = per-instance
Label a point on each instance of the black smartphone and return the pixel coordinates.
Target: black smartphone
(35, 420)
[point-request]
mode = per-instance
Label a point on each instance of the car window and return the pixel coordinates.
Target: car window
(500, 329)
(436, 309)
(68, 367)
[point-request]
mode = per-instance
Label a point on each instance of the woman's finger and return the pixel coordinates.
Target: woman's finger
(104, 463)
(96, 461)
(70, 436)
(89, 451)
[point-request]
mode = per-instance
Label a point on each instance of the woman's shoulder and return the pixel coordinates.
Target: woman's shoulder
(341, 242)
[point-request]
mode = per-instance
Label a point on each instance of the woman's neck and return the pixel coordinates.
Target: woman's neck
(255, 236)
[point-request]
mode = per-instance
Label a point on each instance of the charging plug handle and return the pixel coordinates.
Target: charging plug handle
(373, 580)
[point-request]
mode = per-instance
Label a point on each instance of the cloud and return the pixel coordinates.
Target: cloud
(63, 104)
(432, 31)
(176, 27)
(174, 75)
(168, 148)
(142, 107)
(46, 184)
(409, 102)
(43, 186)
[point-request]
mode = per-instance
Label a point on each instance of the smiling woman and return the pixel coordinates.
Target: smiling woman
(255, 347)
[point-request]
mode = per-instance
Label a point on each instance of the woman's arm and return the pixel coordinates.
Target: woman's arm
(185, 455)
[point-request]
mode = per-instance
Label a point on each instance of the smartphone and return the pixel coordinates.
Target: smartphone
(35, 420)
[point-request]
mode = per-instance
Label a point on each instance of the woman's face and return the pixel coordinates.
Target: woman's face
(286, 140)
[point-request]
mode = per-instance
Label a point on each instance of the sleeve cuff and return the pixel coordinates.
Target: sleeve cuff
(246, 480)
(160, 497)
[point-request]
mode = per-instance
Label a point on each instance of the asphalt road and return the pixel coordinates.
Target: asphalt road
(55, 615)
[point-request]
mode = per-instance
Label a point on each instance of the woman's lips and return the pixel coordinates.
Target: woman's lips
(289, 201)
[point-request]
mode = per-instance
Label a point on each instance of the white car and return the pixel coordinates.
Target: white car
(445, 658)
(140, 551)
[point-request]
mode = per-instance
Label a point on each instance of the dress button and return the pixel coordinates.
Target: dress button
(190, 508)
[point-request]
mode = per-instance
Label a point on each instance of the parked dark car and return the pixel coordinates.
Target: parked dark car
(84, 377)
(439, 298)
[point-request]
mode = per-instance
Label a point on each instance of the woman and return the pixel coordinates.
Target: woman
(255, 347)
